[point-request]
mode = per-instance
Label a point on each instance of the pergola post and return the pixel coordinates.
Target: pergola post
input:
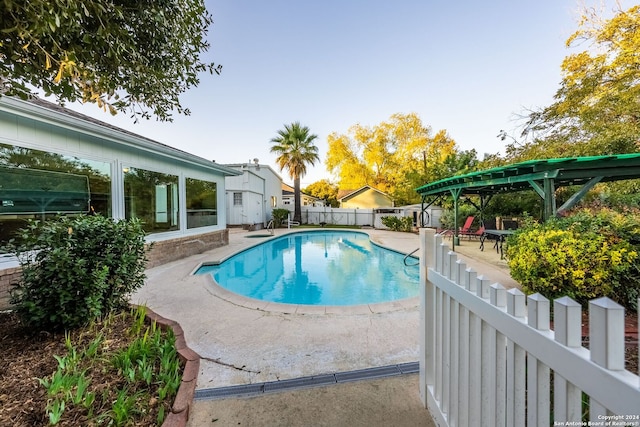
(455, 193)
(549, 198)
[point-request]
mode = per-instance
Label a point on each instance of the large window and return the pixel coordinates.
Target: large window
(153, 198)
(37, 184)
(202, 203)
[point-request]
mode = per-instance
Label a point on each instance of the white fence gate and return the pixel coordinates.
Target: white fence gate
(488, 356)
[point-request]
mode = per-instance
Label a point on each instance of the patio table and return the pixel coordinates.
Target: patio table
(500, 236)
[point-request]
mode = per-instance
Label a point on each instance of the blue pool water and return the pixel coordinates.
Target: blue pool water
(318, 268)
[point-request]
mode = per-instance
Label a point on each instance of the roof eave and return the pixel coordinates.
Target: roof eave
(96, 129)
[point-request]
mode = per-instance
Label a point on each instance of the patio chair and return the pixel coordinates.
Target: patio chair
(478, 233)
(465, 230)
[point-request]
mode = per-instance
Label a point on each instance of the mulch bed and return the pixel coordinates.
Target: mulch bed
(25, 357)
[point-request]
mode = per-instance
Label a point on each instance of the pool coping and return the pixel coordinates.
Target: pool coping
(255, 304)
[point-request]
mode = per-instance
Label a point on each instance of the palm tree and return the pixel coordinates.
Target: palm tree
(295, 150)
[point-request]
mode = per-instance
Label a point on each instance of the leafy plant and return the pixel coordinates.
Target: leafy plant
(584, 256)
(55, 411)
(280, 216)
(76, 269)
(464, 211)
(148, 365)
(398, 223)
(123, 407)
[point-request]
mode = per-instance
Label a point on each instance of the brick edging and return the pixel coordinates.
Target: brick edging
(183, 401)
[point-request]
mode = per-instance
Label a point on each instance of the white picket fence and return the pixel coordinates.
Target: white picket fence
(488, 356)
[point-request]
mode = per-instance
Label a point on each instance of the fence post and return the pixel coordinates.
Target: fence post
(498, 298)
(538, 393)
(464, 355)
(473, 352)
(516, 364)
(482, 289)
(488, 379)
(457, 270)
(461, 275)
(606, 342)
(606, 333)
(471, 281)
(439, 249)
(567, 320)
(450, 266)
(427, 312)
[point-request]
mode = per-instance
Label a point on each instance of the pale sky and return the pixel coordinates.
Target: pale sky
(464, 66)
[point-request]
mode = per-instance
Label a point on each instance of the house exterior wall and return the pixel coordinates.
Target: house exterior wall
(25, 126)
(260, 187)
(162, 252)
(305, 200)
(369, 199)
(35, 134)
(8, 277)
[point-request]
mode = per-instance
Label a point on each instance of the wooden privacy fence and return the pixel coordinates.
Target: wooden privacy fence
(489, 357)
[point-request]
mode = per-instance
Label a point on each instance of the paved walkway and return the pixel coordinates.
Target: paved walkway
(242, 341)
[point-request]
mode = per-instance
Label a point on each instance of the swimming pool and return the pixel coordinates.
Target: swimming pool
(318, 268)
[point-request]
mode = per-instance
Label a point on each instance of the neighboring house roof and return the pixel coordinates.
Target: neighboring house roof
(49, 112)
(288, 190)
(346, 194)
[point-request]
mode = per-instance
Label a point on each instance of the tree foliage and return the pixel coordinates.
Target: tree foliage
(136, 56)
(324, 190)
(395, 156)
(295, 149)
(587, 255)
(597, 107)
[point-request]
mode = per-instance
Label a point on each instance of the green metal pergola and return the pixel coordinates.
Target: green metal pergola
(542, 176)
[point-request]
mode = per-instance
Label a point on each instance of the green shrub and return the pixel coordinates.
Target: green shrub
(398, 223)
(584, 256)
(75, 269)
(464, 211)
(280, 216)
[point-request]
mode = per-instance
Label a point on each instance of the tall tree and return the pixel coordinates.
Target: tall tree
(395, 156)
(136, 56)
(325, 190)
(597, 108)
(295, 149)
